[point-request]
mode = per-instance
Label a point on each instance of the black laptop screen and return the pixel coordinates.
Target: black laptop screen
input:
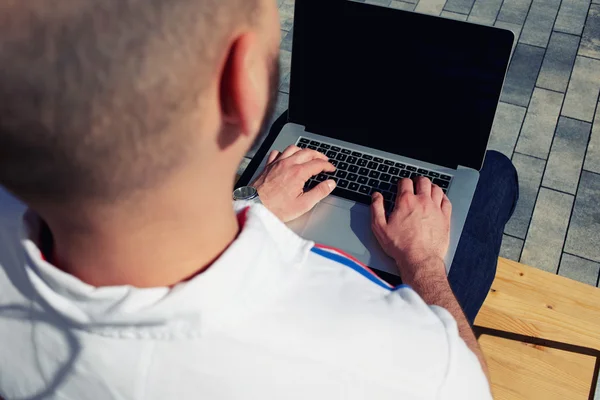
(401, 82)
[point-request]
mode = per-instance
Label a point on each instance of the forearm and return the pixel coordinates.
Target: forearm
(431, 283)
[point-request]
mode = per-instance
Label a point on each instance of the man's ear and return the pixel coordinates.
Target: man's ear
(245, 86)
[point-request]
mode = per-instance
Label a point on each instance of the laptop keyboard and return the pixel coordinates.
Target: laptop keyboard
(359, 174)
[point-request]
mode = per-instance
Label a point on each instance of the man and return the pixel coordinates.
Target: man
(125, 272)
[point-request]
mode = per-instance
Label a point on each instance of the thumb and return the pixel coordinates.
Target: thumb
(310, 199)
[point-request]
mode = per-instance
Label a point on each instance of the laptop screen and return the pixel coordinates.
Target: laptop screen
(402, 82)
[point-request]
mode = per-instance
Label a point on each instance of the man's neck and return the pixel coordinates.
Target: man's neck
(162, 243)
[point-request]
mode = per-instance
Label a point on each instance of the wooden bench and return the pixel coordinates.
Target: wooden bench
(540, 334)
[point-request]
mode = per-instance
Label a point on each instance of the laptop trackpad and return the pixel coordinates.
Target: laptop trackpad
(342, 228)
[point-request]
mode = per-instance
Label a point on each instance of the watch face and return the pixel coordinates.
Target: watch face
(245, 193)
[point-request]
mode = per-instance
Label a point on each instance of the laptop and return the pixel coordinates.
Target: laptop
(387, 94)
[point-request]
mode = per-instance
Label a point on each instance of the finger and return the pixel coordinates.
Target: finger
(290, 151)
(378, 211)
(446, 207)
(315, 167)
(273, 156)
(307, 155)
(437, 195)
(310, 199)
(406, 186)
(423, 186)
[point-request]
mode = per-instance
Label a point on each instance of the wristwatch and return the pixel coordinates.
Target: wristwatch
(247, 193)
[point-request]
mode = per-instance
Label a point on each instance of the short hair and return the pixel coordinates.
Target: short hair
(92, 92)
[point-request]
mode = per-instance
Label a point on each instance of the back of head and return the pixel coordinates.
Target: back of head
(94, 94)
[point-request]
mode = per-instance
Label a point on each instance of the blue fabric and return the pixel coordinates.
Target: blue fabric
(474, 266)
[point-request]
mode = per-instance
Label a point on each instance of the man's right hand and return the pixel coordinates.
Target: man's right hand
(417, 233)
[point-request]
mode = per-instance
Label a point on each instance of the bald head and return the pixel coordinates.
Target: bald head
(95, 95)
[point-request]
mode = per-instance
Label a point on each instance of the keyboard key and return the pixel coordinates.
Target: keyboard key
(445, 191)
(445, 177)
(352, 177)
(361, 197)
(311, 184)
(384, 186)
(387, 196)
(363, 180)
(395, 180)
(377, 159)
(394, 171)
(434, 174)
(385, 177)
(346, 151)
(404, 174)
(312, 147)
(400, 165)
(374, 174)
(321, 177)
(332, 154)
(389, 206)
(411, 169)
(423, 171)
(341, 157)
(363, 171)
(353, 168)
(322, 150)
(388, 162)
(304, 140)
(302, 145)
(373, 183)
(414, 175)
(335, 148)
(315, 143)
(357, 154)
(334, 162)
(383, 168)
(343, 183)
(325, 146)
(366, 190)
(351, 160)
(354, 186)
(362, 162)
(367, 157)
(341, 174)
(343, 166)
(330, 173)
(372, 165)
(441, 183)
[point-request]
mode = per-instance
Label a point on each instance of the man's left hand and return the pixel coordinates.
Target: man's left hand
(281, 185)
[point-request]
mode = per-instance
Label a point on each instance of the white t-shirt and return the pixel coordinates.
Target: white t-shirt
(275, 317)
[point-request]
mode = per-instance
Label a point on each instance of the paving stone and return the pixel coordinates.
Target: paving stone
(571, 17)
(539, 23)
(433, 7)
(506, 128)
(592, 159)
(459, 6)
(567, 154)
(584, 87)
(402, 5)
(511, 248)
(485, 11)
(287, 40)
(530, 172)
(384, 3)
(453, 15)
(590, 42)
(579, 269)
(558, 62)
(285, 62)
(286, 14)
(584, 231)
(514, 11)
(540, 123)
(547, 231)
(522, 74)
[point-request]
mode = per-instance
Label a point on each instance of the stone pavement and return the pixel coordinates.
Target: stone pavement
(548, 122)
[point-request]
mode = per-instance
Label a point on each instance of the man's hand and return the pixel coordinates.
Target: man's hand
(281, 185)
(417, 232)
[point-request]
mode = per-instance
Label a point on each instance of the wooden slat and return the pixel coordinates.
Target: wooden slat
(535, 303)
(522, 371)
